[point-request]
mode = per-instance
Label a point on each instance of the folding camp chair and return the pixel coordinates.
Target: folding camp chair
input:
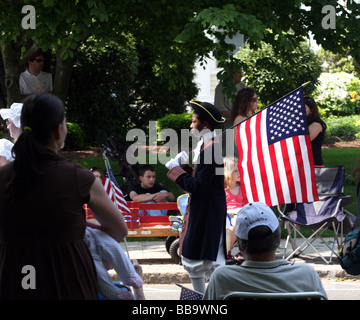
(327, 213)
(238, 295)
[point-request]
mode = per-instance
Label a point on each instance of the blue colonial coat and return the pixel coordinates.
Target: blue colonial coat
(204, 223)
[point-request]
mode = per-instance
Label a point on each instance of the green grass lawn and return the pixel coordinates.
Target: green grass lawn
(347, 157)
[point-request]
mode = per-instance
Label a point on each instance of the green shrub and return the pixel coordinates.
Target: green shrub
(338, 94)
(343, 127)
(175, 122)
(74, 138)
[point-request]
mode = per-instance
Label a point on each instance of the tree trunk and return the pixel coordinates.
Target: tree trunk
(2, 86)
(356, 64)
(10, 56)
(63, 73)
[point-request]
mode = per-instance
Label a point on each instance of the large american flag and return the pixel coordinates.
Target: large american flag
(116, 195)
(275, 155)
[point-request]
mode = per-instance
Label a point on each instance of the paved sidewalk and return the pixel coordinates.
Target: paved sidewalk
(158, 268)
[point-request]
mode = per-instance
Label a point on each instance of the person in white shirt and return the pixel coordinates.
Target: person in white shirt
(33, 79)
(258, 235)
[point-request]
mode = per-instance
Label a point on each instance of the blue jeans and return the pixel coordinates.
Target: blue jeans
(153, 213)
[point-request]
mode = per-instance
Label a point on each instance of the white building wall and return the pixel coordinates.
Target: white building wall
(206, 80)
(205, 76)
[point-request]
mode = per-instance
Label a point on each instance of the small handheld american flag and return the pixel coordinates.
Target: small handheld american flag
(189, 294)
(118, 199)
(113, 190)
(116, 195)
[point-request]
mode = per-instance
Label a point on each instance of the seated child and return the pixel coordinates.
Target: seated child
(150, 191)
(234, 198)
(104, 247)
(106, 250)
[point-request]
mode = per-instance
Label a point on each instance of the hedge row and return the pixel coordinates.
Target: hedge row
(343, 128)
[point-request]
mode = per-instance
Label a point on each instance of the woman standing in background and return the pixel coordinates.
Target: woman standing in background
(317, 128)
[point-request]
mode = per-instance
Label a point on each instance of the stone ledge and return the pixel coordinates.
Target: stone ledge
(156, 277)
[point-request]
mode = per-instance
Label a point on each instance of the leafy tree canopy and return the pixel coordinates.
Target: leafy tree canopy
(170, 34)
(345, 37)
(272, 74)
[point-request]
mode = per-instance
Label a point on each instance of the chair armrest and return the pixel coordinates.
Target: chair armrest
(346, 200)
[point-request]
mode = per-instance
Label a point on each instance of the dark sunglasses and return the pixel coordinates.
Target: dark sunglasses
(39, 60)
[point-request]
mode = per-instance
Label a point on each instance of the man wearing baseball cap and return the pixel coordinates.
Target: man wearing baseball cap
(258, 236)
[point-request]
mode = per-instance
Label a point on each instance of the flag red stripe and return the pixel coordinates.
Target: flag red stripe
(260, 158)
(277, 181)
(289, 175)
(241, 170)
(300, 165)
(250, 163)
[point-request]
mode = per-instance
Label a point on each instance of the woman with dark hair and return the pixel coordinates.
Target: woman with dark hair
(245, 104)
(42, 223)
(317, 129)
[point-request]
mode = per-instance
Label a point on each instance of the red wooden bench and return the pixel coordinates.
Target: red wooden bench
(143, 226)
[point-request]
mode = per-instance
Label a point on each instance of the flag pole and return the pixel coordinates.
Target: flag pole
(114, 194)
(268, 106)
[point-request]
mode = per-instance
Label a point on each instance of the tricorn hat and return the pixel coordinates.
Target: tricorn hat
(207, 111)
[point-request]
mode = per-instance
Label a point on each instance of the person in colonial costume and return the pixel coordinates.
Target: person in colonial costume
(202, 240)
